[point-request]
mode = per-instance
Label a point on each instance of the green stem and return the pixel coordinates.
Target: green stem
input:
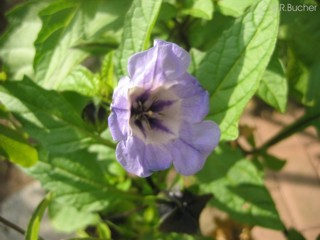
(104, 141)
(152, 185)
(125, 231)
(298, 125)
(181, 31)
(14, 226)
(125, 214)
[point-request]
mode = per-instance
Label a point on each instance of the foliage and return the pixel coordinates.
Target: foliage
(60, 62)
(238, 188)
(34, 223)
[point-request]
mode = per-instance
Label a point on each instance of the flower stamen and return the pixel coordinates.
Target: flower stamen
(154, 114)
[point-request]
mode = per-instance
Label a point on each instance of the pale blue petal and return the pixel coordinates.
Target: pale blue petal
(114, 127)
(204, 135)
(196, 142)
(187, 160)
(120, 94)
(141, 159)
(157, 157)
(195, 100)
(118, 121)
(128, 154)
(162, 64)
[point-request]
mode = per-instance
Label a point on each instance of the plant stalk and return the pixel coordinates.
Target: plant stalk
(297, 126)
(12, 225)
(153, 186)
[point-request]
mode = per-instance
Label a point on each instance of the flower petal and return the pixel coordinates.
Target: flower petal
(157, 157)
(114, 127)
(161, 64)
(182, 55)
(120, 94)
(195, 144)
(187, 160)
(140, 159)
(195, 100)
(118, 122)
(204, 136)
(120, 110)
(128, 154)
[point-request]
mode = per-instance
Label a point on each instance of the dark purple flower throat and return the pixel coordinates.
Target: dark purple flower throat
(146, 112)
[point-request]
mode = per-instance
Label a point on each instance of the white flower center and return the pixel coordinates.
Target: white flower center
(155, 114)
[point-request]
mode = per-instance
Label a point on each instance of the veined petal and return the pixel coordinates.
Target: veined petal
(114, 127)
(162, 64)
(120, 110)
(187, 160)
(120, 94)
(181, 55)
(141, 159)
(194, 99)
(195, 144)
(204, 136)
(157, 157)
(121, 118)
(129, 153)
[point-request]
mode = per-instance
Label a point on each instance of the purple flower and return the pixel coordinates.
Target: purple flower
(157, 114)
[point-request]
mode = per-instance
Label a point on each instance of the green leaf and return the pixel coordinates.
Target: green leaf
(96, 48)
(68, 24)
(81, 80)
(238, 188)
(69, 219)
(199, 9)
(104, 231)
(313, 116)
(273, 88)
(232, 69)
(107, 71)
(303, 80)
(273, 162)
(167, 11)
(34, 223)
(107, 78)
(84, 238)
(16, 44)
(298, 79)
(301, 30)
(316, 124)
(312, 94)
(138, 25)
(314, 113)
(16, 147)
(234, 8)
(196, 58)
(4, 114)
(300, 36)
(202, 39)
(294, 235)
(85, 82)
(48, 117)
(77, 179)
